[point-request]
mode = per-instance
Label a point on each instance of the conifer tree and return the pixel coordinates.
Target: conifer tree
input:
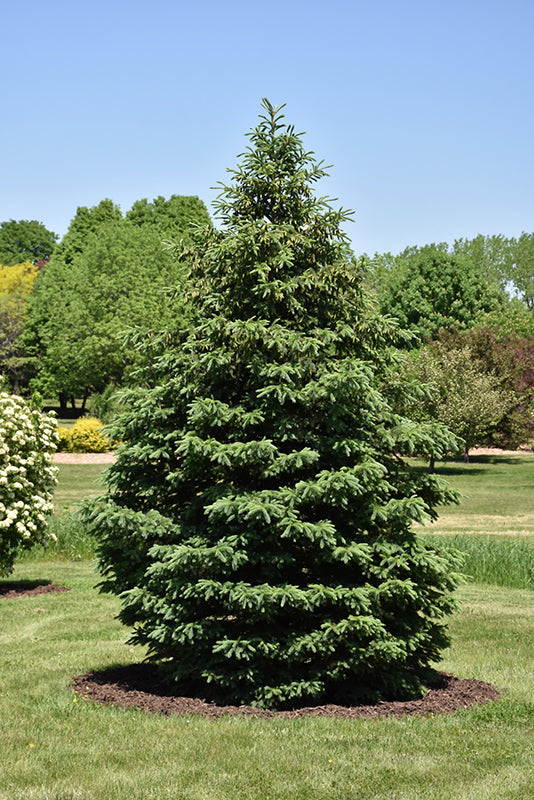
(258, 523)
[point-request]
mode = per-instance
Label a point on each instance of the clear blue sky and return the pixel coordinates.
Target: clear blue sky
(424, 108)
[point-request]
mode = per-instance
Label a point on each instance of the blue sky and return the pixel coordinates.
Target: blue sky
(424, 109)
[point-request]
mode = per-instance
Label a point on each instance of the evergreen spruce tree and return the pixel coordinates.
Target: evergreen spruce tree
(258, 524)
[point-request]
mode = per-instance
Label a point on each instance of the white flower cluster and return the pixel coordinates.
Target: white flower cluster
(27, 476)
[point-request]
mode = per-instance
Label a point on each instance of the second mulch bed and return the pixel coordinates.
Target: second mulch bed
(12, 589)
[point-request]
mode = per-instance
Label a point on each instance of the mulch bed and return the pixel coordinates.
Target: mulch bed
(137, 686)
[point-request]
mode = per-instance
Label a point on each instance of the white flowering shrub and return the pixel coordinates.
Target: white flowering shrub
(27, 477)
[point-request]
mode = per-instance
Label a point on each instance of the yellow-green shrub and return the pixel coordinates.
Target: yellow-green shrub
(63, 443)
(86, 436)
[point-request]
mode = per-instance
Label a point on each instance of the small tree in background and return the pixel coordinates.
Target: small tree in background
(258, 521)
(501, 347)
(461, 393)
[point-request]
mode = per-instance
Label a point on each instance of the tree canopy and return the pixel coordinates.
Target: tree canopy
(522, 271)
(430, 289)
(258, 520)
(86, 221)
(510, 261)
(107, 275)
(171, 219)
(25, 240)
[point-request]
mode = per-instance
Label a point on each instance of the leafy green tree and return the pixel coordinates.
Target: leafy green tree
(25, 240)
(462, 394)
(510, 261)
(107, 275)
(116, 283)
(430, 289)
(522, 270)
(492, 256)
(258, 524)
(56, 299)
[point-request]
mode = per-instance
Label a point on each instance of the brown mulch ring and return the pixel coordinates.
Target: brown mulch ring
(136, 686)
(12, 589)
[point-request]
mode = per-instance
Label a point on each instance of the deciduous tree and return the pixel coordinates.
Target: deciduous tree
(430, 289)
(462, 393)
(107, 275)
(522, 271)
(502, 346)
(25, 240)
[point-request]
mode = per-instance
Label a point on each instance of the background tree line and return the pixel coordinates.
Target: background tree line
(65, 309)
(469, 310)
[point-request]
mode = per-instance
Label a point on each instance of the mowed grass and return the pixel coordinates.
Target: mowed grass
(493, 527)
(498, 496)
(497, 493)
(76, 482)
(60, 746)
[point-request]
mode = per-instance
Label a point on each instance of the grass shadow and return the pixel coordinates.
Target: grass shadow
(476, 465)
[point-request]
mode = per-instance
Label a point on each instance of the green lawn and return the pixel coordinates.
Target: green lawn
(75, 483)
(498, 496)
(57, 746)
(493, 527)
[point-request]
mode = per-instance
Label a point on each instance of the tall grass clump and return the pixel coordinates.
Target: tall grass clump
(69, 540)
(495, 560)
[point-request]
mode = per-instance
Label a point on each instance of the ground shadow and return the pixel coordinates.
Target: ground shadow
(475, 466)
